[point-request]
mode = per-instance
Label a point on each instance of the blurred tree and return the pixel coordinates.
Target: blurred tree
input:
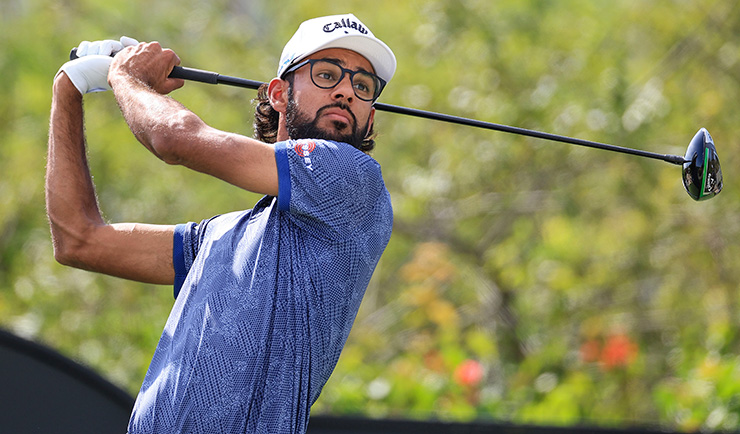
(525, 281)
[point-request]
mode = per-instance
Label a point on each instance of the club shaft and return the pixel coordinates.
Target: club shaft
(210, 77)
(215, 78)
(675, 159)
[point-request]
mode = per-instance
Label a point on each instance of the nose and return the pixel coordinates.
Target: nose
(344, 89)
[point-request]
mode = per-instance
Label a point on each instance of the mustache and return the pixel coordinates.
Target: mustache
(339, 105)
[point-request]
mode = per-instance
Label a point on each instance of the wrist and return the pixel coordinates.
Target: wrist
(63, 87)
(120, 80)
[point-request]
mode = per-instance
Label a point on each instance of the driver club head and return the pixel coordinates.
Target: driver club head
(702, 175)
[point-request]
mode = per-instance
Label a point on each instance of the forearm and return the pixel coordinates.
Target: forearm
(71, 203)
(178, 136)
(159, 122)
(140, 82)
(80, 236)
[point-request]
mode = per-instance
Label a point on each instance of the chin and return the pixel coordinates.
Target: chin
(336, 134)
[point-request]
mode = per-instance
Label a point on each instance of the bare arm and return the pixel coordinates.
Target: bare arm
(80, 236)
(139, 80)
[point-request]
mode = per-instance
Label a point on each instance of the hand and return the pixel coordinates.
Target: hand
(148, 64)
(89, 72)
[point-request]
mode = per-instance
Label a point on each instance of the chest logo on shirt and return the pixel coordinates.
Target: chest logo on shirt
(304, 149)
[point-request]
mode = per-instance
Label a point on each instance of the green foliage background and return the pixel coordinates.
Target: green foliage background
(586, 287)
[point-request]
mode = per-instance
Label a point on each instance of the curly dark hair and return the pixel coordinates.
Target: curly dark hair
(266, 118)
(266, 121)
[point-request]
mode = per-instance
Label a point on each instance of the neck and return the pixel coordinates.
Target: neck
(282, 133)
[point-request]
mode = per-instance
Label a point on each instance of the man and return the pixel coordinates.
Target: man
(265, 298)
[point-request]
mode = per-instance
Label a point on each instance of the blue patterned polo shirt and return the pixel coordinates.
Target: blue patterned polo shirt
(265, 298)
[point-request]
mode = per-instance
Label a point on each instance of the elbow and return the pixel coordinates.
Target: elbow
(65, 256)
(71, 248)
(69, 254)
(171, 141)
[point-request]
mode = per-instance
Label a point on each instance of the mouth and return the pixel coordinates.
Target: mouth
(337, 118)
(340, 118)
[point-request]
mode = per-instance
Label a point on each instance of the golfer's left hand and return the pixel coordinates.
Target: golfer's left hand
(89, 72)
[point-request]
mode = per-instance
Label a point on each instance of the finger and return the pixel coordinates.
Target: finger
(154, 46)
(175, 58)
(104, 48)
(109, 47)
(126, 41)
(82, 48)
(174, 83)
(93, 48)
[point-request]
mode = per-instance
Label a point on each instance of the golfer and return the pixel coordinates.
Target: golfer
(264, 298)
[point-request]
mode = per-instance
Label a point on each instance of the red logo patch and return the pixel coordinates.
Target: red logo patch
(304, 148)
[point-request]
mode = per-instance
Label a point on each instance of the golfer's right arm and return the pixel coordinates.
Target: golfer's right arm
(80, 236)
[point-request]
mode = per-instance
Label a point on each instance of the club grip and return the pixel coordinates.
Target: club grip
(178, 72)
(194, 75)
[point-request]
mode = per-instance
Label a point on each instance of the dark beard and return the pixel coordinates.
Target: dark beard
(301, 127)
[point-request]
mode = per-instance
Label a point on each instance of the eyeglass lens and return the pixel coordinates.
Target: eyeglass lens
(327, 74)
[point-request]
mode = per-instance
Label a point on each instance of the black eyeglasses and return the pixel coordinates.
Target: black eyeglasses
(326, 74)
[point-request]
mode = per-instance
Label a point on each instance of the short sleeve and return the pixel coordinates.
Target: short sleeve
(331, 186)
(185, 247)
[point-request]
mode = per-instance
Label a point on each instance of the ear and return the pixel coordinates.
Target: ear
(277, 92)
(370, 121)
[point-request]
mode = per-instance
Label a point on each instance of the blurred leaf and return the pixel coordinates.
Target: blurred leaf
(510, 251)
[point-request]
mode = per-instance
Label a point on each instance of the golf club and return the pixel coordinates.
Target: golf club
(702, 174)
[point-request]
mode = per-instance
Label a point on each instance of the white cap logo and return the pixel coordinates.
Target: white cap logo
(345, 24)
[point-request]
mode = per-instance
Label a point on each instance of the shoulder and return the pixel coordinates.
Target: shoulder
(313, 153)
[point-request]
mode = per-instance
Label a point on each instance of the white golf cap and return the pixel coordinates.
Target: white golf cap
(338, 31)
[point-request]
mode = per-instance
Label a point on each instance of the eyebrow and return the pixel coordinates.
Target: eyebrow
(344, 65)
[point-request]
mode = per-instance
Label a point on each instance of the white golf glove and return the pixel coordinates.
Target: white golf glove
(89, 72)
